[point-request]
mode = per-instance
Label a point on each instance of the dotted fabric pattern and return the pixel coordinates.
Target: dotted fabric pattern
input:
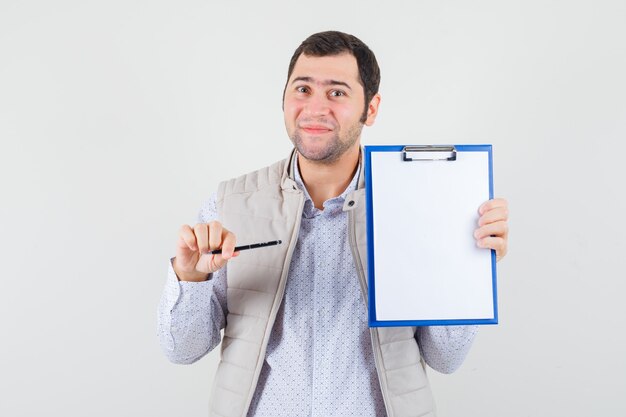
(319, 360)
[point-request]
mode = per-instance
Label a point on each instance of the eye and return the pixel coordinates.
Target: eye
(302, 89)
(337, 93)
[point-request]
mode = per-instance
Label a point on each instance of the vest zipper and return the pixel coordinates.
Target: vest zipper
(378, 356)
(279, 299)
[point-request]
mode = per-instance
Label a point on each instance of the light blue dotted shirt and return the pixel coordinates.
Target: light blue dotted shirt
(319, 359)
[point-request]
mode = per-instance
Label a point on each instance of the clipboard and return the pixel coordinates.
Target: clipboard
(424, 268)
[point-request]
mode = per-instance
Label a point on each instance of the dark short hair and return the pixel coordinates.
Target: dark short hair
(336, 43)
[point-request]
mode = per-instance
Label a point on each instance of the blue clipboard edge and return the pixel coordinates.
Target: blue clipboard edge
(373, 322)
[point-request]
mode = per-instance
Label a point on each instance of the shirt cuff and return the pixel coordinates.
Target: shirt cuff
(178, 294)
(175, 289)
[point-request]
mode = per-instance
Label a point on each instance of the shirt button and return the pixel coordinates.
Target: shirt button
(351, 203)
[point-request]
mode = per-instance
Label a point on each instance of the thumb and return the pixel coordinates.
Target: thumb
(210, 263)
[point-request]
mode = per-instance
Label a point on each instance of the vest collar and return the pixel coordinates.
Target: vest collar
(288, 182)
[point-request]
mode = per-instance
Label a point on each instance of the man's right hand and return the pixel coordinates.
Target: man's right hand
(192, 262)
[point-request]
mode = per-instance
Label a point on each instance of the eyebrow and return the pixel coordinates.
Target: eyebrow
(327, 82)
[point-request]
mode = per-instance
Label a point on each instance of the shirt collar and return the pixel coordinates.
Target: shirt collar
(331, 205)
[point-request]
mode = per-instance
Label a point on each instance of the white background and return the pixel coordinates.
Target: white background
(117, 118)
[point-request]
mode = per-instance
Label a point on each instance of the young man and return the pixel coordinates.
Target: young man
(296, 340)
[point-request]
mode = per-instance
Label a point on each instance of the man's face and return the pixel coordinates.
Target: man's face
(323, 105)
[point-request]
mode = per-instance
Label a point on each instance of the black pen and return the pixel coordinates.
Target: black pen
(245, 247)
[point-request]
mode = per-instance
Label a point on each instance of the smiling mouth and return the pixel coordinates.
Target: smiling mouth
(315, 130)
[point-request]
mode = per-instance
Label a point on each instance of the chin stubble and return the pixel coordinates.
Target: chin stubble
(335, 148)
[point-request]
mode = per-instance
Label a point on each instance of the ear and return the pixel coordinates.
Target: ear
(372, 110)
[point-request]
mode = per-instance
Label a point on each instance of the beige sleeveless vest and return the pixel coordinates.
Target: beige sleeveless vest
(266, 205)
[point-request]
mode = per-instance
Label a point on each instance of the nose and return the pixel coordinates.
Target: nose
(317, 105)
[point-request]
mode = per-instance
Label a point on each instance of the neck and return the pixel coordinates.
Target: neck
(326, 181)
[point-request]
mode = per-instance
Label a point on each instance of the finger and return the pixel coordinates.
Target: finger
(493, 203)
(228, 243)
(215, 235)
(187, 239)
(499, 228)
(494, 215)
(202, 237)
(496, 243)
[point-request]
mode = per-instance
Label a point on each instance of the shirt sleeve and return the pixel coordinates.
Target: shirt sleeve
(444, 348)
(191, 315)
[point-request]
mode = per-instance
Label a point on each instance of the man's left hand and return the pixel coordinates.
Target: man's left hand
(493, 226)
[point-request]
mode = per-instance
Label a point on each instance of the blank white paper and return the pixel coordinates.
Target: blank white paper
(427, 264)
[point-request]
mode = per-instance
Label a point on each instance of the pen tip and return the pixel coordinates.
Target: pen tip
(280, 241)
